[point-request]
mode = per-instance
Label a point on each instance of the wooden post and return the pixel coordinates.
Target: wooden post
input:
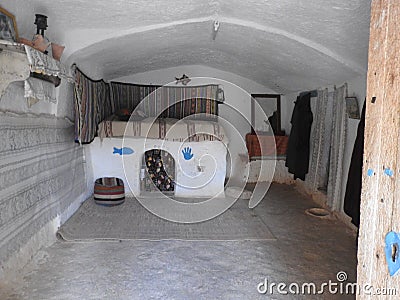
(380, 197)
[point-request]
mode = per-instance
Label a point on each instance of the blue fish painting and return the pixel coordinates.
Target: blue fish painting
(123, 151)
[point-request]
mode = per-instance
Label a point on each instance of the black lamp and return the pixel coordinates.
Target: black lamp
(41, 23)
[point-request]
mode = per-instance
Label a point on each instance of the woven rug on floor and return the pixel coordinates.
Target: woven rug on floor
(131, 221)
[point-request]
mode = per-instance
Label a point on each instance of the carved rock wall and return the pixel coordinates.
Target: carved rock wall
(42, 182)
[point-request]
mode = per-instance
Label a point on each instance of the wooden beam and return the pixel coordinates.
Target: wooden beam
(380, 210)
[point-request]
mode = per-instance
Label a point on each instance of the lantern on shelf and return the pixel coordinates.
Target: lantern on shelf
(41, 24)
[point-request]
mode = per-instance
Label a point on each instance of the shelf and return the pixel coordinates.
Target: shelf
(49, 78)
(19, 62)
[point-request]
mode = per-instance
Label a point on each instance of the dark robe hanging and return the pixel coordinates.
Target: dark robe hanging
(298, 151)
(352, 198)
(273, 120)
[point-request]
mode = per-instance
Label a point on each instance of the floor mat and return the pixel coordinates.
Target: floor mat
(131, 221)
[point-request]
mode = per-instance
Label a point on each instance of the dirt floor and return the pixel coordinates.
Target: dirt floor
(307, 249)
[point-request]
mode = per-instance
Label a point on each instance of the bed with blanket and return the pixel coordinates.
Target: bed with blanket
(164, 128)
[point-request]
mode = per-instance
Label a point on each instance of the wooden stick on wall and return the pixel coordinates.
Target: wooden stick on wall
(380, 197)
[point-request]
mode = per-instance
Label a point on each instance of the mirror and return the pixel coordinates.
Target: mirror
(271, 107)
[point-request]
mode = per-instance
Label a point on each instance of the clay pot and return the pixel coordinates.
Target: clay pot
(57, 51)
(39, 43)
(26, 42)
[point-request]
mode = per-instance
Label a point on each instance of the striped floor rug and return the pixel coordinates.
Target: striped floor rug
(130, 221)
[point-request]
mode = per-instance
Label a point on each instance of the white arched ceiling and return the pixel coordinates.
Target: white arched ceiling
(285, 45)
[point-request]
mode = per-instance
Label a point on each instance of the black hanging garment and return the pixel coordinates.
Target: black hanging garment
(273, 120)
(352, 198)
(298, 151)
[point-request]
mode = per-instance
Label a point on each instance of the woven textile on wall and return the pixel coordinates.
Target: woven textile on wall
(92, 105)
(124, 95)
(167, 102)
(338, 143)
(328, 144)
(96, 100)
(317, 139)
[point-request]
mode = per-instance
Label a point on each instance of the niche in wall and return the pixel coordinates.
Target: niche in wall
(158, 172)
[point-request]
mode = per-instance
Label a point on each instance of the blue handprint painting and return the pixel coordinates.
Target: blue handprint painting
(187, 153)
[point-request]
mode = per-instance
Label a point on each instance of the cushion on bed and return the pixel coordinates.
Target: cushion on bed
(123, 114)
(109, 191)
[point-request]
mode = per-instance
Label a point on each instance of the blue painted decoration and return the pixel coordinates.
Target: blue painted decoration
(388, 172)
(370, 172)
(187, 153)
(392, 249)
(123, 151)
